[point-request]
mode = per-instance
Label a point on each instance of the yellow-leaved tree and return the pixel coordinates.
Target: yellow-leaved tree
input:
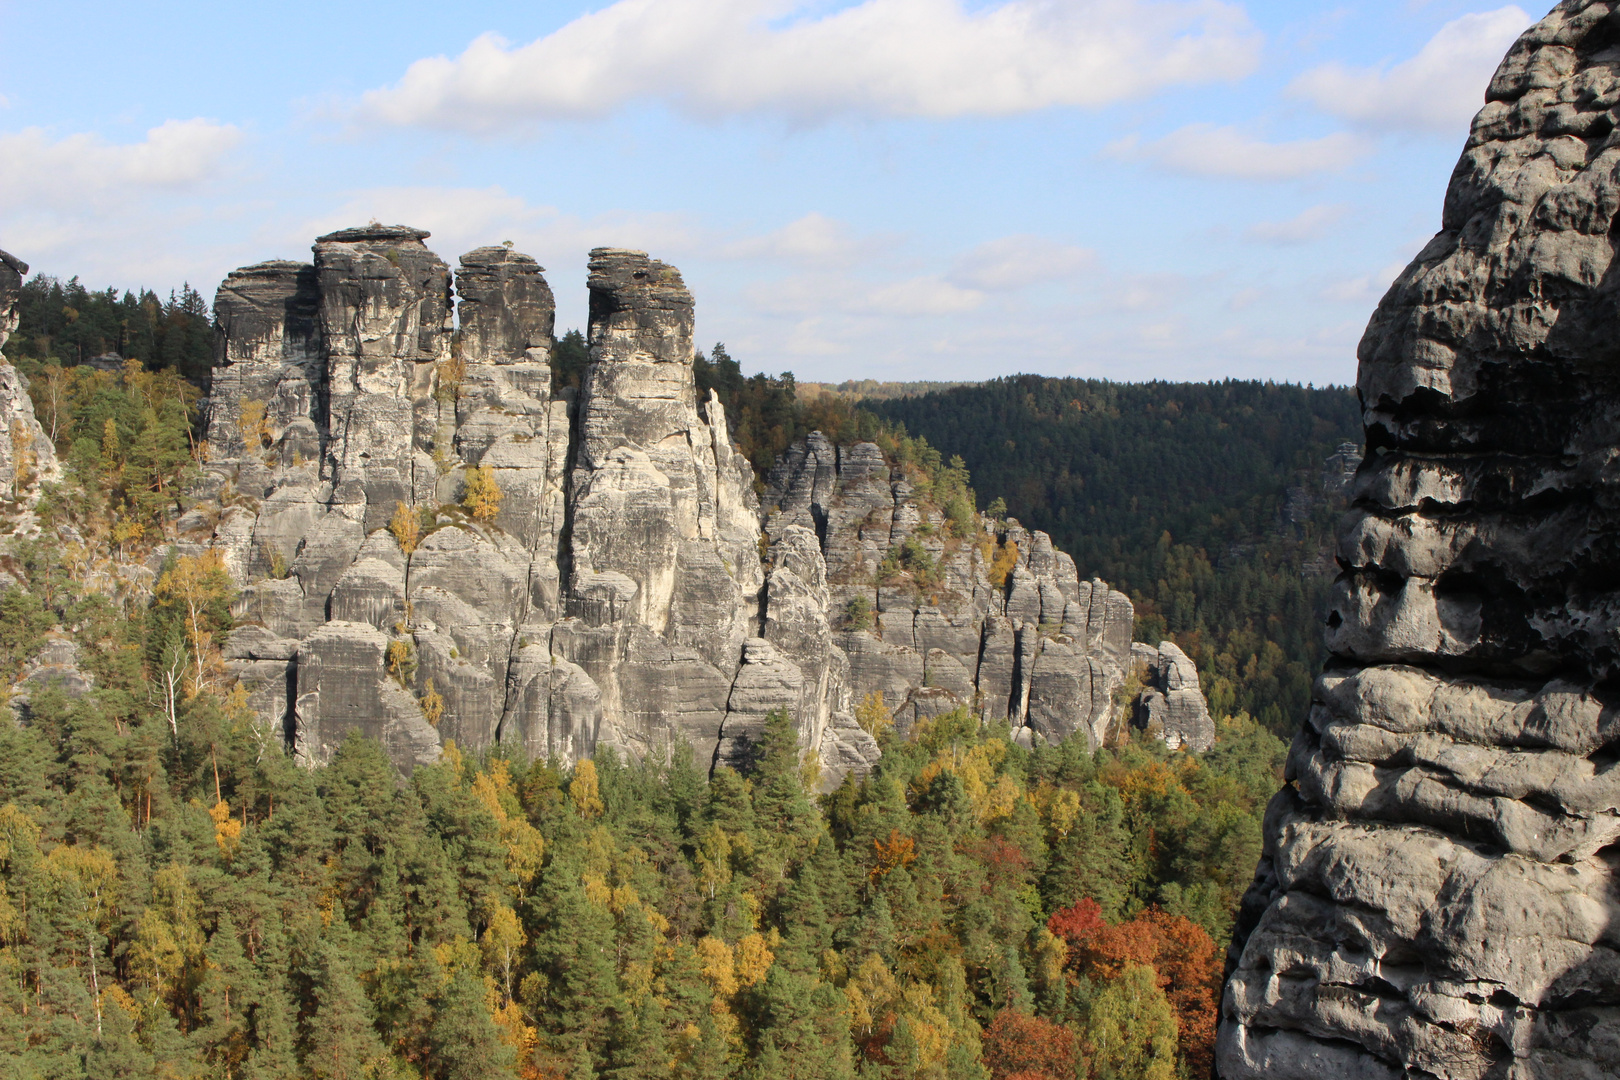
(482, 495)
(198, 588)
(406, 527)
(585, 792)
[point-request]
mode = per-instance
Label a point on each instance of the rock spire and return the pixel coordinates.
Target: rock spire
(26, 454)
(1439, 894)
(624, 586)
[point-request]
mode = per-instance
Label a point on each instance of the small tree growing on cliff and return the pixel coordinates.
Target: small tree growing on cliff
(22, 448)
(406, 527)
(873, 715)
(255, 425)
(482, 496)
(401, 664)
(197, 590)
(858, 614)
(432, 704)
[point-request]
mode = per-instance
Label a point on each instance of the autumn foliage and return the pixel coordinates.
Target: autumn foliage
(1181, 953)
(1019, 1047)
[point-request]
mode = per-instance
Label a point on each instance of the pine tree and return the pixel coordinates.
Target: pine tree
(801, 1029)
(341, 1042)
(465, 1043)
(782, 811)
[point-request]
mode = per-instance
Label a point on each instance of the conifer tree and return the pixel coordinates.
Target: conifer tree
(341, 1043)
(465, 1044)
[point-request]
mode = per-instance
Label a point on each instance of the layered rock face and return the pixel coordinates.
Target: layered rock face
(1440, 888)
(1040, 649)
(627, 591)
(26, 454)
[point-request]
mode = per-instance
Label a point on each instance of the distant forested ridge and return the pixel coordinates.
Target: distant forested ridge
(1204, 501)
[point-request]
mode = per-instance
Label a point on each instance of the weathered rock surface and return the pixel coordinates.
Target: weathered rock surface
(1440, 888)
(1042, 650)
(26, 455)
(626, 593)
(55, 667)
(1172, 707)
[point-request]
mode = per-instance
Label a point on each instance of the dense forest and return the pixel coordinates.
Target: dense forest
(1204, 501)
(178, 898)
(73, 325)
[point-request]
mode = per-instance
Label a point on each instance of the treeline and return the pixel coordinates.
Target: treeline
(873, 389)
(1175, 493)
(70, 324)
(766, 415)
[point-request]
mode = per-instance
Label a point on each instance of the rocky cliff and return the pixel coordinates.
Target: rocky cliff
(26, 455)
(619, 583)
(1438, 894)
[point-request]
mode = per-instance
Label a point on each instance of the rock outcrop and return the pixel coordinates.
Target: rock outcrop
(1038, 648)
(1171, 705)
(613, 581)
(26, 455)
(1439, 894)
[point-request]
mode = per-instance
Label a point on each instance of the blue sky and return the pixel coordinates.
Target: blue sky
(896, 189)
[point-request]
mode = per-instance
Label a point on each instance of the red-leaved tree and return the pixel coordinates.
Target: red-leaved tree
(1019, 1047)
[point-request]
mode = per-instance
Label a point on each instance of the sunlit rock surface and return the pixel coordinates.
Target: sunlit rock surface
(632, 590)
(1438, 893)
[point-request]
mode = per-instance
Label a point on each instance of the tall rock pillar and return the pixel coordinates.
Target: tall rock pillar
(1439, 894)
(385, 314)
(664, 538)
(26, 453)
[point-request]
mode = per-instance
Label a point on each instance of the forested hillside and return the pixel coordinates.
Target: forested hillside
(184, 901)
(178, 898)
(1179, 494)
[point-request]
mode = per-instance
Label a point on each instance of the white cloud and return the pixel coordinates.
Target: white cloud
(917, 58)
(147, 213)
(1228, 153)
(1013, 262)
(462, 218)
(68, 172)
(813, 238)
(1310, 224)
(821, 294)
(1148, 292)
(1367, 289)
(917, 296)
(1244, 299)
(1439, 89)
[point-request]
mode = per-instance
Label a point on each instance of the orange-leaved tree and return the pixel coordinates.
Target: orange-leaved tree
(1020, 1047)
(1179, 951)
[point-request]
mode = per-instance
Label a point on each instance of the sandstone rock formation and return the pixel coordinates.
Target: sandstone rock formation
(1172, 707)
(1439, 894)
(26, 454)
(1042, 649)
(626, 592)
